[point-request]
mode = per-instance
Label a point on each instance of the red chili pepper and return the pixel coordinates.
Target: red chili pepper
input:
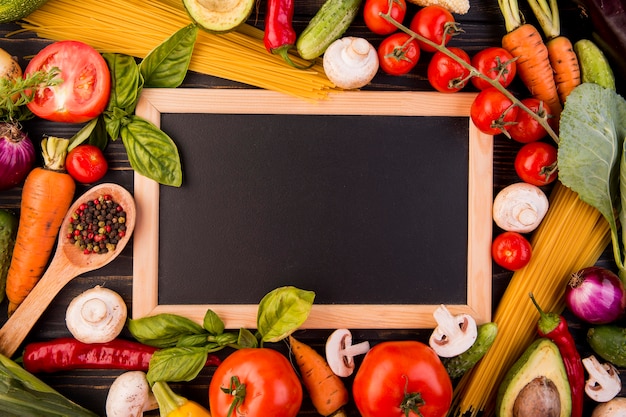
(279, 35)
(68, 353)
(554, 327)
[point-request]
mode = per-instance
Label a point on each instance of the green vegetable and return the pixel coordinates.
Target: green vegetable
(591, 159)
(460, 364)
(282, 311)
(219, 16)
(329, 23)
(609, 342)
(594, 66)
(8, 231)
(12, 10)
(22, 394)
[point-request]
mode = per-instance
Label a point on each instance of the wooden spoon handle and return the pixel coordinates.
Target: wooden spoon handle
(17, 327)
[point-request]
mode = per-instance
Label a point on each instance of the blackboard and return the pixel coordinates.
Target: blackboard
(381, 214)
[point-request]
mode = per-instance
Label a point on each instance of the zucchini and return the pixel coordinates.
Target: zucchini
(8, 231)
(460, 364)
(12, 10)
(594, 66)
(609, 342)
(329, 23)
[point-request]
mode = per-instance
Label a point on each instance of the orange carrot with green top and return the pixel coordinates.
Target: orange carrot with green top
(326, 390)
(47, 195)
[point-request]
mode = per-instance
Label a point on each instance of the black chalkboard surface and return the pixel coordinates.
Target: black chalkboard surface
(362, 209)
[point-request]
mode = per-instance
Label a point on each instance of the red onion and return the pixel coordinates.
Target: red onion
(596, 295)
(17, 155)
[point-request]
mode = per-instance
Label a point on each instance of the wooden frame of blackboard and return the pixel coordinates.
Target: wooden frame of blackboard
(155, 102)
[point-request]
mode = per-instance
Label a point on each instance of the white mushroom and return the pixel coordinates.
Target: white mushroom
(520, 207)
(614, 408)
(97, 315)
(453, 334)
(604, 382)
(350, 62)
(340, 352)
(130, 395)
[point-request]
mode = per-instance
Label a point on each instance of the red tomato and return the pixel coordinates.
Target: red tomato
(395, 374)
(86, 164)
(535, 163)
(376, 23)
(272, 388)
(492, 112)
(511, 250)
(496, 63)
(447, 75)
(526, 128)
(433, 23)
(85, 88)
(398, 53)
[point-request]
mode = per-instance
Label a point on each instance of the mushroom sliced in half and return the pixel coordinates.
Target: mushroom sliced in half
(453, 334)
(604, 382)
(340, 352)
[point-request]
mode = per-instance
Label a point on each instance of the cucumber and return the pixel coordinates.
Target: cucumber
(609, 342)
(329, 23)
(594, 66)
(8, 231)
(12, 10)
(460, 364)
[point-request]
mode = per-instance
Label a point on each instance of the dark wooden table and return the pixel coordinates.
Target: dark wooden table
(483, 26)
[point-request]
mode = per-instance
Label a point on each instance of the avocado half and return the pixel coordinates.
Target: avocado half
(219, 16)
(536, 385)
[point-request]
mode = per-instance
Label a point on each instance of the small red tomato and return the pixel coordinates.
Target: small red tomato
(492, 112)
(375, 22)
(535, 163)
(526, 128)
(496, 63)
(445, 74)
(433, 23)
(511, 250)
(398, 54)
(86, 164)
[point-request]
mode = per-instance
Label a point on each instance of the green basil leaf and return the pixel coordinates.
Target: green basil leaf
(99, 135)
(166, 65)
(213, 323)
(192, 340)
(176, 364)
(162, 330)
(247, 339)
(83, 134)
(282, 311)
(126, 82)
(151, 152)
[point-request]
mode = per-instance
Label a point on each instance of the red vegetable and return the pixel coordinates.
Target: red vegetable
(279, 35)
(372, 15)
(68, 353)
(536, 163)
(596, 295)
(17, 155)
(554, 327)
(86, 164)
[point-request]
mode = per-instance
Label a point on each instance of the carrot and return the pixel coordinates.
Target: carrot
(524, 41)
(563, 59)
(327, 391)
(47, 195)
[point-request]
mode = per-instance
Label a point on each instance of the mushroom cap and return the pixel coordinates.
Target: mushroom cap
(97, 315)
(350, 62)
(130, 395)
(520, 207)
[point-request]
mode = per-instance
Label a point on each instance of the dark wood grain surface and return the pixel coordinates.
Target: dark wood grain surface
(483, 26)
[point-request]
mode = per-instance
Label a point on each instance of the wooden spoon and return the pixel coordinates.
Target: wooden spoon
(68, 262)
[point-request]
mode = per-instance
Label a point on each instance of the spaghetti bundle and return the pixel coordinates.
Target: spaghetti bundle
(135, 27)
(572, 236)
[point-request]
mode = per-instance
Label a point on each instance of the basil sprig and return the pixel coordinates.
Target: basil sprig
(151, 152)
(185, 345)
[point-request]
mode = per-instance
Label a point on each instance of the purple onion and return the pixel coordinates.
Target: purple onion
(596, 295)
(17, 155)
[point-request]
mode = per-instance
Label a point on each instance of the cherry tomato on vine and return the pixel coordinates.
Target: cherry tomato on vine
(86, 164)
(535, 163)
(85, 88)
(258, 381)
(401, 378)
(492, 112)
(511, 250)
(526, 128)
(398, 54)
(433, 23)
(496, 63)
(375, 22)
(447, 75)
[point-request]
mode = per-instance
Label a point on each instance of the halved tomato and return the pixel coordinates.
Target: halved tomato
(85, 86)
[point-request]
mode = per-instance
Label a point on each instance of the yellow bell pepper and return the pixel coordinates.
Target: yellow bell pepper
(173, 405)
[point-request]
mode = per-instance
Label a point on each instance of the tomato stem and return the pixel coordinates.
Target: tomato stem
(238, 391)
(412, 401)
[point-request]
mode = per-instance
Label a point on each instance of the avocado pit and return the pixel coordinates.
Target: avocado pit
(539, 398)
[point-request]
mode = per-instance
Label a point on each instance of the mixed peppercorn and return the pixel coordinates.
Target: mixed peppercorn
(97, 225)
